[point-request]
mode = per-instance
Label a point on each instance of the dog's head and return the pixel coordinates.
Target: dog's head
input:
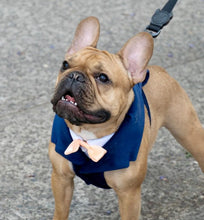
(94, 86)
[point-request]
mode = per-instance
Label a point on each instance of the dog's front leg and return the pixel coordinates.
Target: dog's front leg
(62, 184)
(127, 185)
(128, 192)
(63, 190)
(129, 203)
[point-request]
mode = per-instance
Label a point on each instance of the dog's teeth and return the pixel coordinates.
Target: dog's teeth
(73, 103)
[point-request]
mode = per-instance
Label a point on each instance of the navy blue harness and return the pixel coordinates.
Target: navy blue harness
(122, 148)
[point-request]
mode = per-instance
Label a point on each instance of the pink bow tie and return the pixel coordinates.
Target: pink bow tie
(95, 152)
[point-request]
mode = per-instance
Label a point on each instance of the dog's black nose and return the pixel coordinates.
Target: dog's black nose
(78, 76)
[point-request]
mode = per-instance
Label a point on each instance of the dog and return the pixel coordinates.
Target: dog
(114, 103)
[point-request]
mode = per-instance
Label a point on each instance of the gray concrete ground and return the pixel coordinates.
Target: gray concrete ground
(34, 37)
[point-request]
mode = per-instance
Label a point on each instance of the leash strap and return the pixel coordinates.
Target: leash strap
(161, 18)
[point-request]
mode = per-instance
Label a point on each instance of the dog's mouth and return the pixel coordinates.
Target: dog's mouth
(70, 99)
(74, 110)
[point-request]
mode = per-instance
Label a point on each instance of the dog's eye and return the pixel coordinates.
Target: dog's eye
(65, 65)
(102, 77)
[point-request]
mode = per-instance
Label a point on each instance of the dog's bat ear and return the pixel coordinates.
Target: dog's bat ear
(86, 35)
(136, 54)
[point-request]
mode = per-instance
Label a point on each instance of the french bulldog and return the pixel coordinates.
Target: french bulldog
(115, 103)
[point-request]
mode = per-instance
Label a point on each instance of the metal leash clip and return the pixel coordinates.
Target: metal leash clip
(161, 18)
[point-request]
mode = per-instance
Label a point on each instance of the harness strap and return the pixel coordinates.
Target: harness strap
(145, 98)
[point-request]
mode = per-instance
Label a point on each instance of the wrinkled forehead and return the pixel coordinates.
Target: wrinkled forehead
(94, 59)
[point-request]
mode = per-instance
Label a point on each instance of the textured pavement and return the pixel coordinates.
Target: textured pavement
(34, 36)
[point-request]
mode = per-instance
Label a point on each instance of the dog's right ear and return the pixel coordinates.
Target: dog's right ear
(86, 35)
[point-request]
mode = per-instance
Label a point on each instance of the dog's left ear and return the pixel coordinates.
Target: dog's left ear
(87, 34)
(136, 54)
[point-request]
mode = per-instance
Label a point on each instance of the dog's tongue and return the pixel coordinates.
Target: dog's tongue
(69, 98)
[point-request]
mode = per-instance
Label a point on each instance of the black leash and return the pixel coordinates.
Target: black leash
(161, 18)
